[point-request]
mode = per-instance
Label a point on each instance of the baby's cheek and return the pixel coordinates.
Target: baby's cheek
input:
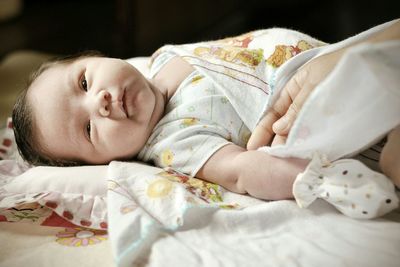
(122, 139)
(123, 142)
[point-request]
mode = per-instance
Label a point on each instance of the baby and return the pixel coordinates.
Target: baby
(195, 113)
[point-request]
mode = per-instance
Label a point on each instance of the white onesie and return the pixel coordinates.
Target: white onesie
(223, 99)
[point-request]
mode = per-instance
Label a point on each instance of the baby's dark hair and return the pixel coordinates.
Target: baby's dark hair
(23, 120)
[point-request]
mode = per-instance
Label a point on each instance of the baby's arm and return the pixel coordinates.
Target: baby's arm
(253, 172)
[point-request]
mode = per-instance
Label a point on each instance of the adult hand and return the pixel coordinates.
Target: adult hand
(274, 127)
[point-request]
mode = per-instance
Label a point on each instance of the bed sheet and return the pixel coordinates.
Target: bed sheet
(164, 218)
(25, 244)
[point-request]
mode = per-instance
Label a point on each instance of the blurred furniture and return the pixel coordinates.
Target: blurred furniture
(9, 9)
(142, 26)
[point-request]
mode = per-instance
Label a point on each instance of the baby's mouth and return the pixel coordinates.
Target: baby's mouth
(124, 104)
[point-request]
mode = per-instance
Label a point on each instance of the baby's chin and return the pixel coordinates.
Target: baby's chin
(128, 152)
(106, 161)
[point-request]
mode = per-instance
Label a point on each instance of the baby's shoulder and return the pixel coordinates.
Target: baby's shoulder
(171, 75)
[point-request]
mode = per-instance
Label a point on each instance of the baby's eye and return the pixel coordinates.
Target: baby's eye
(88, 128)
(84, 83)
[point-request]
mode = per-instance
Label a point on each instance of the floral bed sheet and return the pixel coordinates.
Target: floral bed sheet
(32, 245)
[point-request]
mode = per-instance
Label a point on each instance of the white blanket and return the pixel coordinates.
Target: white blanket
(159, 218)
(353, 108)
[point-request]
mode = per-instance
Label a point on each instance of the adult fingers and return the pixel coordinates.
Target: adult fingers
(263, 133)
(279, 140)
(298, 88)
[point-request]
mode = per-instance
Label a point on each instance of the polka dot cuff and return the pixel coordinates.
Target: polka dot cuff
(350, 186)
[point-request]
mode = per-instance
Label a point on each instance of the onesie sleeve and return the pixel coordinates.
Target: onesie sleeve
(188, 148)
(160, 58)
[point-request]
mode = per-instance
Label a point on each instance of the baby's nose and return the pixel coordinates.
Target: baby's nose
(104, 101)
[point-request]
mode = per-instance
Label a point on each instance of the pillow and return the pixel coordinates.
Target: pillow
(87, 180)
(8, 148)
(76, 194)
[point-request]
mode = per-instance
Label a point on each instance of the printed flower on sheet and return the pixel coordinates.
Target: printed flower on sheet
(159, 188)
(27, 212)
(80, 237)
(207, 192)
(127, 206)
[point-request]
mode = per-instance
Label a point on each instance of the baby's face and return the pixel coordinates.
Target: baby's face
(94, 110)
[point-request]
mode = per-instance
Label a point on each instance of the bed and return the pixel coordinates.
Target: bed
(134, 214)
(155, 217)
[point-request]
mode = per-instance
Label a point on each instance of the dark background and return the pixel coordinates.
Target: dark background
(128, 28)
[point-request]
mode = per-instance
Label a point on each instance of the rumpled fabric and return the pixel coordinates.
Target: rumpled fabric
(353, 108)
(163, 218)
